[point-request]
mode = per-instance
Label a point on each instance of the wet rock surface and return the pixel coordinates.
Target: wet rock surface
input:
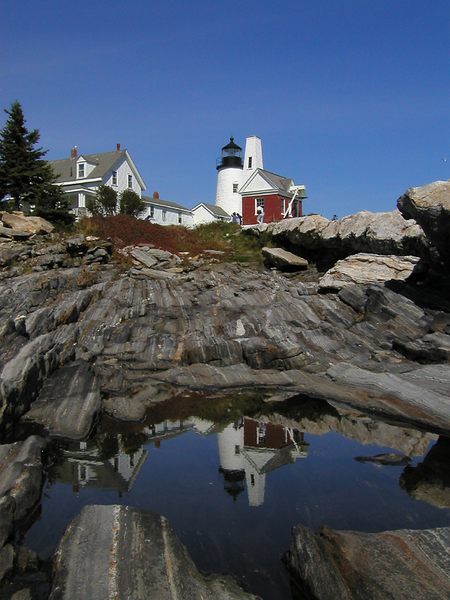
(20, 491)
(121, 552)
(349, 565)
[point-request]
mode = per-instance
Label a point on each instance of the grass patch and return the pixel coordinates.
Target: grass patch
(124, 230)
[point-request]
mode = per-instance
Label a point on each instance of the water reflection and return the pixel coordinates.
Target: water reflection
(88, 464)
(249, 449)
(218, 467)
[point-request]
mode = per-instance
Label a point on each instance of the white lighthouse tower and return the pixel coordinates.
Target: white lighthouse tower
(229, 178)
(253, 157)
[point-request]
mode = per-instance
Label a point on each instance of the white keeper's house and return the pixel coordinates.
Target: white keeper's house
(81, 175)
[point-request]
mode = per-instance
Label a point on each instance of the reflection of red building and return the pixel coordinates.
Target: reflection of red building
(249, 449)
(275, 196)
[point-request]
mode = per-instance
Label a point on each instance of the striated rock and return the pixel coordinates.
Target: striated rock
(20, 490)
(15, 234)
(367, 269)
(283, 260)
(144, 257)
(121, 552)
(320, 240)
(429, 205)
(29, 225)
(348, 565)
(394, 395)
(68, 402)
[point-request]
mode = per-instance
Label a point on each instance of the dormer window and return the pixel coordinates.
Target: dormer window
(114, 177)
(130, 181)
(81, 170)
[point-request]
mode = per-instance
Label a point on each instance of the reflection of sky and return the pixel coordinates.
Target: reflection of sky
(180, 478)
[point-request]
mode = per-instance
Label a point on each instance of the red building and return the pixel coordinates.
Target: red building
(270, 197)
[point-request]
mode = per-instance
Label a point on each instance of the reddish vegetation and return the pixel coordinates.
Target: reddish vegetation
(128, 231)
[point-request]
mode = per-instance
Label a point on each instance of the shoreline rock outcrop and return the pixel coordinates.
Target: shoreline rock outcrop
(121, 552)
(349, 565)
(429, 206)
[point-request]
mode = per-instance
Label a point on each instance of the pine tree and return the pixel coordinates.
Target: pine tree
(131, 203)
(104, 203)
(24, 174)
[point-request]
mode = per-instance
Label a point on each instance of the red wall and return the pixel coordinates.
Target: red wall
(272, 208)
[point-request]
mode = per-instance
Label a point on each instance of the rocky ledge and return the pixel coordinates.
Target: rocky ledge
(348, 565)
(121, 552)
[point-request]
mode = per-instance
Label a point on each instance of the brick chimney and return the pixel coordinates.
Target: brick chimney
(155, 195)
(73, 152)
(117, 147)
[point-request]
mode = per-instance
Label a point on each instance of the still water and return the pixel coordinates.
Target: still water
(234, 480)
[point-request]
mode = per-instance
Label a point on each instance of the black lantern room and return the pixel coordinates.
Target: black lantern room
(231, 156)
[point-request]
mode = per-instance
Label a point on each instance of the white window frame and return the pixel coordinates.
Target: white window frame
(259, 203)
(130, 181)
(152, 212)
(180, 218)
(164, 215)
(81, 170)
(235, 188)
(114, 178)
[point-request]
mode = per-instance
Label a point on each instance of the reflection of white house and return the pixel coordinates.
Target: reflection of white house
(81, 175)
(250, 449)
(166, 429)
(84, 466)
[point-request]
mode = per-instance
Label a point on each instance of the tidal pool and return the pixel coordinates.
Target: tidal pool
(234, 479)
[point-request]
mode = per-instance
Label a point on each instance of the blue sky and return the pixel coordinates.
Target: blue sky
(349, 97)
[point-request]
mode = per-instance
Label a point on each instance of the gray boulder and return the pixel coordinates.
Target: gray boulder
(318, 238)
(68, 402)
(429, 205)
(120, 552)
(368, 269)
(283, 260)
(349, 565)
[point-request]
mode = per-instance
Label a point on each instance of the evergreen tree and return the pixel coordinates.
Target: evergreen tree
(104, 203)
(24, 174)
(131, 203)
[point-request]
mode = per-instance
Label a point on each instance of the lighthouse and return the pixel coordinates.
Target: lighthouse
(229, 178)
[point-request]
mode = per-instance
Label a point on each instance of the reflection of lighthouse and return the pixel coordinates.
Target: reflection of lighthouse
(249, 449)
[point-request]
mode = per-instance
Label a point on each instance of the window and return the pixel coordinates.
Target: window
(81, 170)
(130, 181)
(259, 205)
(235, 188)
(237, 449)
(250, 161)
(114, 177)
(164, 215)
(179, 219)
(152, 212)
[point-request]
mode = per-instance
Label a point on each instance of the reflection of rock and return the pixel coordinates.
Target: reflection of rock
(250, 449)
(348, 565)
(429, 481)
(319, 418)
(386, 459)
(121, 552)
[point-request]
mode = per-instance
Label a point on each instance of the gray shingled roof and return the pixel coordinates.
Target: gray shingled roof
(65, 169)
(216, 210)
(278, 181)
(159, 202)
